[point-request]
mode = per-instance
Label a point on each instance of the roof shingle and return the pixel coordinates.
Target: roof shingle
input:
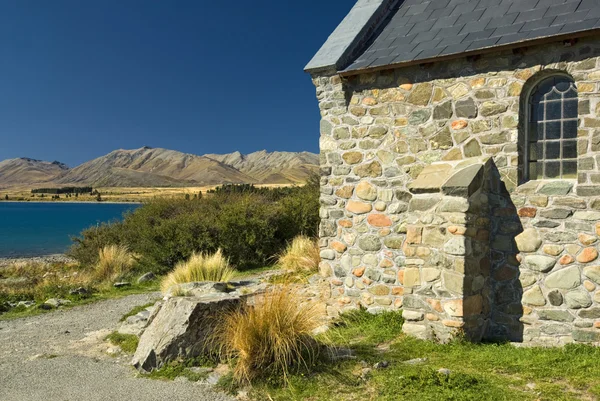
(423, 29)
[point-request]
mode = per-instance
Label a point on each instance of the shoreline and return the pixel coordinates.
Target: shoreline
(52, 258)
(78, 202)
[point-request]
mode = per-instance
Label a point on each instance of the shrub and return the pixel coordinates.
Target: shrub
(251, 227)
(270, 337)
(114, 261)
(301, 255)
(198, 268)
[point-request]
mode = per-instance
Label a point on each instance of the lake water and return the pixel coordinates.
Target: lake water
(36, 229)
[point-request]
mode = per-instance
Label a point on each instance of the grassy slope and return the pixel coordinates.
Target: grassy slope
(478, 371)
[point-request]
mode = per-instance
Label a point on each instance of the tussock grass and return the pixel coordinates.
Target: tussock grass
(301, 255)
(270, 337)
(198, 268)
(114, 261)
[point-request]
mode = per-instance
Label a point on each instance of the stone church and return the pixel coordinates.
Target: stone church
(460, 166)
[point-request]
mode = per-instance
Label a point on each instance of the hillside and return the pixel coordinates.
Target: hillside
(30, 171)
(272, 168)
(156, 167)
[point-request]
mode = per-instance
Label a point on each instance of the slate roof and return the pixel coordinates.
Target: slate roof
(421, 30)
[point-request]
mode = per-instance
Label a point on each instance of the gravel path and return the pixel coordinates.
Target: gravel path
(61, 356)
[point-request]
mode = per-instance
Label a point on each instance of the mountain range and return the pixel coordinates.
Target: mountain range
(156, 167)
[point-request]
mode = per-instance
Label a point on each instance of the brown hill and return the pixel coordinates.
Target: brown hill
(150, 167)
(28, 171)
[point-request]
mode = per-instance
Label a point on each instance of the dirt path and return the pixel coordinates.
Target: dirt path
(61, 356)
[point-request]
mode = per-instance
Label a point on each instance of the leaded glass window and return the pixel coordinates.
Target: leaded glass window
(551, 145)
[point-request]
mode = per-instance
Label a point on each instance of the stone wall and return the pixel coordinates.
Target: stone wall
(378, 133)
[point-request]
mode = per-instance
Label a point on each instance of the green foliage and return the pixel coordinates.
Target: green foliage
(127, 342)
(251, 228)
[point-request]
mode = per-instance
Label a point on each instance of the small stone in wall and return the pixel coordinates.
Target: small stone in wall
(534, 296)
(553, 250)
(587, 255)
(372, 170)
(540, 263)
(529, 240)
(472, 148)
(587, 240)
(421, 94)
(459, 124)
(578, 299)
(567, 278)
(593, 273)
(556, 188)
(527, 212)
(555, 298)
(588, 285)
(359, 207)
(566, 260)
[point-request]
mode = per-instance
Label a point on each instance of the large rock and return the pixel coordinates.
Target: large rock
(181, 328)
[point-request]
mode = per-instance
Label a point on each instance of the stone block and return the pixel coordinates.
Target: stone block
(464, 182)
(431, 178)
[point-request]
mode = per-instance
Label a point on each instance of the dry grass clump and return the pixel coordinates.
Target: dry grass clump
(114, 261)
(302, 255)
(198, 268)
(270, 337)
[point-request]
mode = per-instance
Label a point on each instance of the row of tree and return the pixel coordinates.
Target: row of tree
(64, 190)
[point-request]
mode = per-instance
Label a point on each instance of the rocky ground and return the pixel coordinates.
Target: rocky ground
(37, 259)
(63, 356)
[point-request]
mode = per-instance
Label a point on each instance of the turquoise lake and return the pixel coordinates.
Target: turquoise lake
(36, 229)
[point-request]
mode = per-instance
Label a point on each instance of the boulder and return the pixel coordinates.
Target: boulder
(181, 328)
(146, 277)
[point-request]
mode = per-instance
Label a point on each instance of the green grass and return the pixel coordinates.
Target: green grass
(254, 272)
(136, 310)
(177, 369)
(478, 371)
(127, 342)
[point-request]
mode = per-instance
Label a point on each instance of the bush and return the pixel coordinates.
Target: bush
(271, 337)
(301, 255)
(251, 227)
(114, 261)
(199, 268)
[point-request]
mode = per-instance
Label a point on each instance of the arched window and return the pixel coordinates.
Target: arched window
(551, 132)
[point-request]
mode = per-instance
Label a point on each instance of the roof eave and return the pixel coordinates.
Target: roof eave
(350, 36)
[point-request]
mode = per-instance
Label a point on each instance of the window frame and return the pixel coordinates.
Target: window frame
(528, 132)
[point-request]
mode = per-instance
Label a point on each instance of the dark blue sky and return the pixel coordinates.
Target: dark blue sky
(79, 79)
